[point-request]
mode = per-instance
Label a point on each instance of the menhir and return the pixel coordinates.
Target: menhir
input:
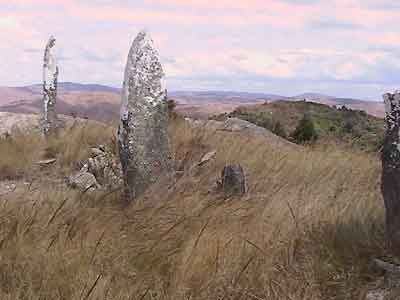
(142, 134)
(391, 170)
(49, 120)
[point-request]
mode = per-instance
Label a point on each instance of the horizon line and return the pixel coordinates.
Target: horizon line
(201, 91)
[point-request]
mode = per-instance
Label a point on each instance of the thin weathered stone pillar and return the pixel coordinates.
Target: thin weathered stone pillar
(391, 169)
(142, 134)
(50, 75)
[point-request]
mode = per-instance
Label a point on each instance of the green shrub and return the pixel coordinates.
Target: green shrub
(305, 131)
(348, 127)
(279, 130)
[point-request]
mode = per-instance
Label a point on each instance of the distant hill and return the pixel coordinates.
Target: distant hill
(74, 87)
(91, 101)
(102, 102)
(225, 101)
(313, 96)
(341, 125)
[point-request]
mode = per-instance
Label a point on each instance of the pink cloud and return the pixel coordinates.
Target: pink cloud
(189, 13)
(249, 5)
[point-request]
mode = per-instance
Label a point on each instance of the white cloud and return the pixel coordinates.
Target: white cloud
(8, 22)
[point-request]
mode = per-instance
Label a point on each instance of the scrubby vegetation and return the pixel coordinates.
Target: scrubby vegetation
(305, 131)
(307, 229)
(340, 125)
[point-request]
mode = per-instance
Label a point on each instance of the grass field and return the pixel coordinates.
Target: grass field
(307, 229)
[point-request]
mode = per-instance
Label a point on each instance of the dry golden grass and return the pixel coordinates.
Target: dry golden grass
(70, 146)
(17, 155)
(307, 229)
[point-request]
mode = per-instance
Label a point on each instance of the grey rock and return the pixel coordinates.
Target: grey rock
(113, 175)
(96, 165)
(233, 180)
(106, 167)
(142, 134)
(100, 172)
(96, 152)
(214, 125)
(388, 286)
(49, 120)
(390, 182)
(84, 181)
(242, 126)
(46, 162)
(7, 187)
(85, 168)
(378, 294)
(236, 125)
(207, 157)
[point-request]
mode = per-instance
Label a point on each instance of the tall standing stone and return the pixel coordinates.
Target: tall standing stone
(50, 75)
(142, 134)
(391, 170)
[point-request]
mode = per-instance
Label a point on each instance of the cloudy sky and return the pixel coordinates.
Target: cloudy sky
(338, 47)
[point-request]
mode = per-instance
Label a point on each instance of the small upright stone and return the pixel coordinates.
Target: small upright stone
(50, 75)
(233, 180)
(142, 134)
(391, 170)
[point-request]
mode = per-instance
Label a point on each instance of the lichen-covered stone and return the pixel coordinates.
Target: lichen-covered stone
(84, 181)
(378, 294)
(105, 167)
(50, 77)
(391, 169)
(142, 133)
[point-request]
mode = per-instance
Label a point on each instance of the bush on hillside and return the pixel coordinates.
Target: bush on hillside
(279, 130)
(305, 131)
(348, 127)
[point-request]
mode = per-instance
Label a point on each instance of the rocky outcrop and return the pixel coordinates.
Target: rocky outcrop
(142, 134)
(236, 125)
(105, 167)
(102, 171)
(84, 181)
(50, 77)
(233, 180)
(391, 170)
(388, 287)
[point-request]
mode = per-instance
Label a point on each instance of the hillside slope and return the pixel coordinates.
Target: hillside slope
(307, 229)
(338, 125)
(101, 103)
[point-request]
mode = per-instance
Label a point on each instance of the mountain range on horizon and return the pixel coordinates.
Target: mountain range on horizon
(94, 87)
(101, 102)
